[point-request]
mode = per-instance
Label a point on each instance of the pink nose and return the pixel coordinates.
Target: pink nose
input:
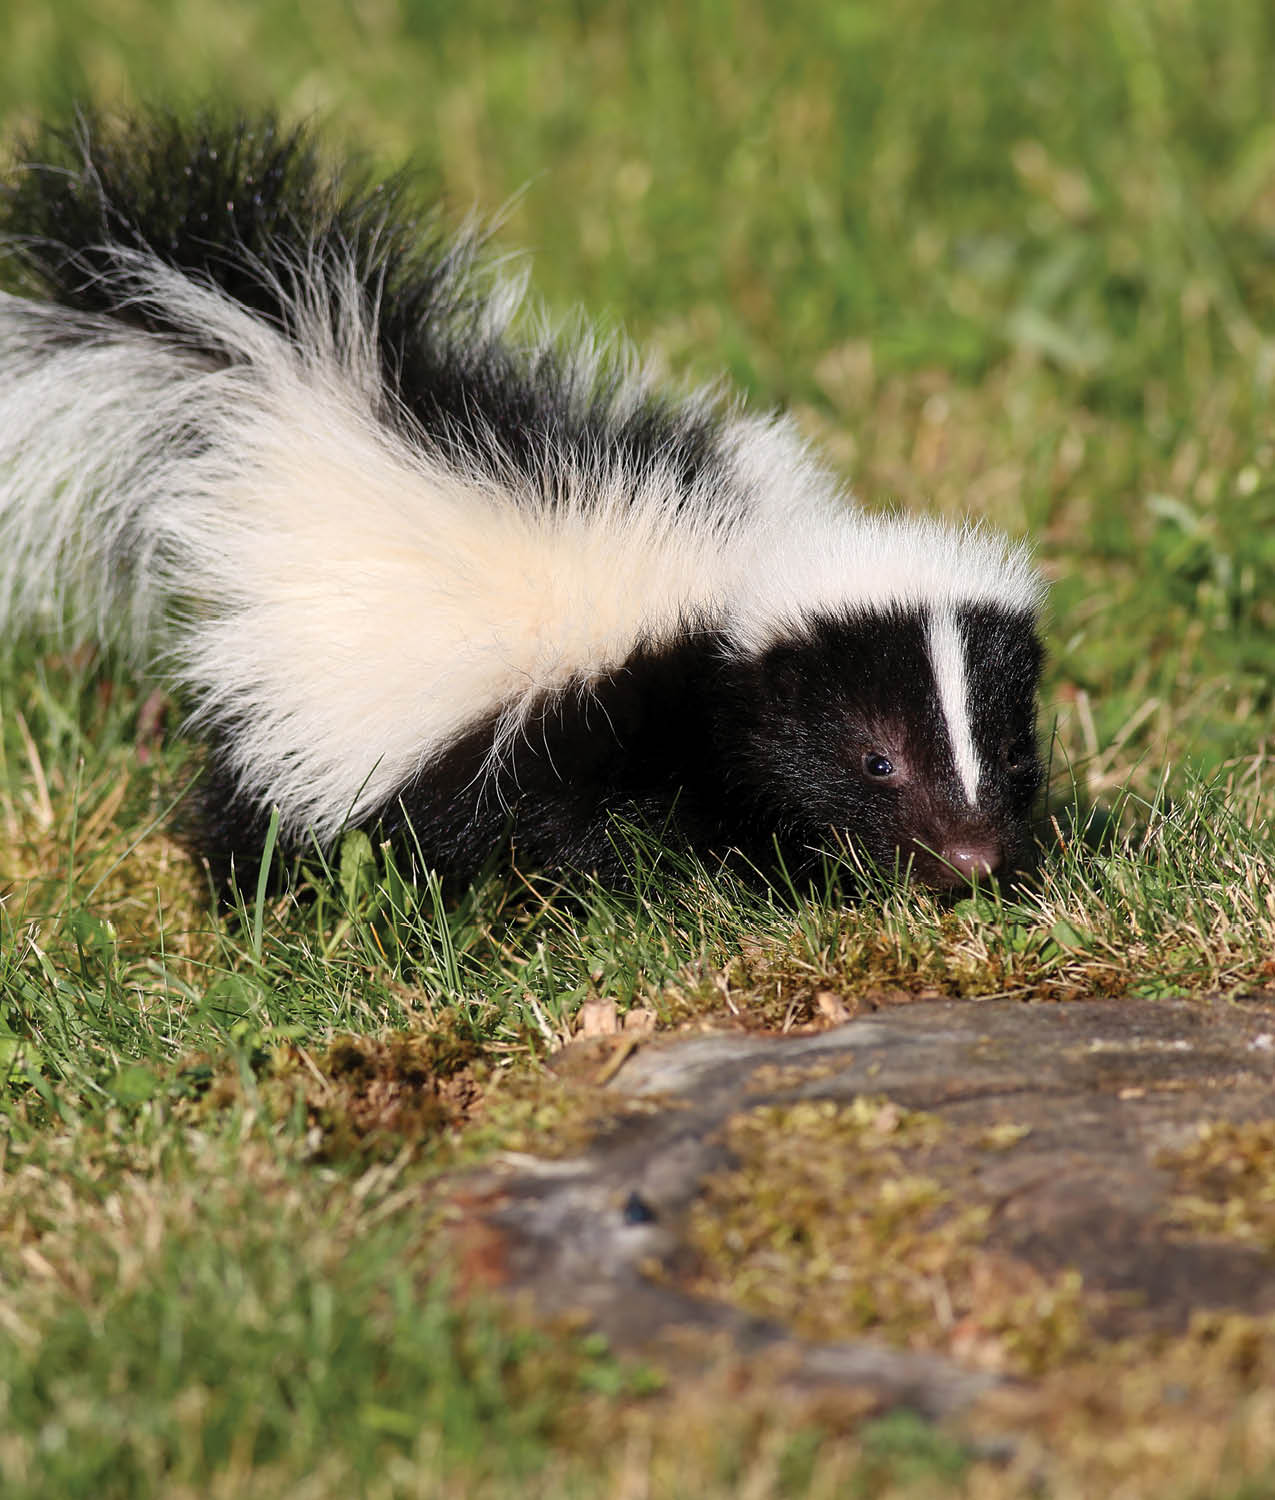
(971, 861)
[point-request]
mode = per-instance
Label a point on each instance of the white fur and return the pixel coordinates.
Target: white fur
(352, 601)
(817, 554)
(947, 658)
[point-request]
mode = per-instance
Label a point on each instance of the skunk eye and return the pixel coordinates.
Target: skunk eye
(877, 766)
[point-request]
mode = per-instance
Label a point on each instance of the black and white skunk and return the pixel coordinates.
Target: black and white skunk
(414, 571)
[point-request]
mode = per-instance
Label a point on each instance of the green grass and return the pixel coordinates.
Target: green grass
(1019, 262)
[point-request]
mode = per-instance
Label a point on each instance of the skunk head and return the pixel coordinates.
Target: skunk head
(904, 734)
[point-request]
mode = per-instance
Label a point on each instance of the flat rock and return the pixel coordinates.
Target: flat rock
(1091, 1096)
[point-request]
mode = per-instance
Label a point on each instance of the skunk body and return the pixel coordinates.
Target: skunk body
(412, 571)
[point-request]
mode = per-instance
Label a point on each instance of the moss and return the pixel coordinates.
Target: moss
(1186, 1415)
(831, 1223)
(550, 1114)
(1226, 1183)
(360, 1097)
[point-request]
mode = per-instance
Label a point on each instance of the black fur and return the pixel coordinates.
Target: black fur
(236, 201)
(761, 757)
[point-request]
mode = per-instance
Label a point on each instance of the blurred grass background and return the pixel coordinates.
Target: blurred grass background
(1011, 260)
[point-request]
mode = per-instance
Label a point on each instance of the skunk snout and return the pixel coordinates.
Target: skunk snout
(956, 861)
(968, 860)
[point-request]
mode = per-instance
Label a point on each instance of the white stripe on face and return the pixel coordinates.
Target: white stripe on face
(947, 658)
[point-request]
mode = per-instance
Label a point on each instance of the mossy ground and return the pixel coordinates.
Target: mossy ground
(839, 1221)
(1014, 262)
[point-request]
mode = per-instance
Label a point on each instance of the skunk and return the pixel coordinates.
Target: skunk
(414, 564)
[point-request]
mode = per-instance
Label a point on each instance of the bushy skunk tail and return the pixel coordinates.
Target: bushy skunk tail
(266, 424)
